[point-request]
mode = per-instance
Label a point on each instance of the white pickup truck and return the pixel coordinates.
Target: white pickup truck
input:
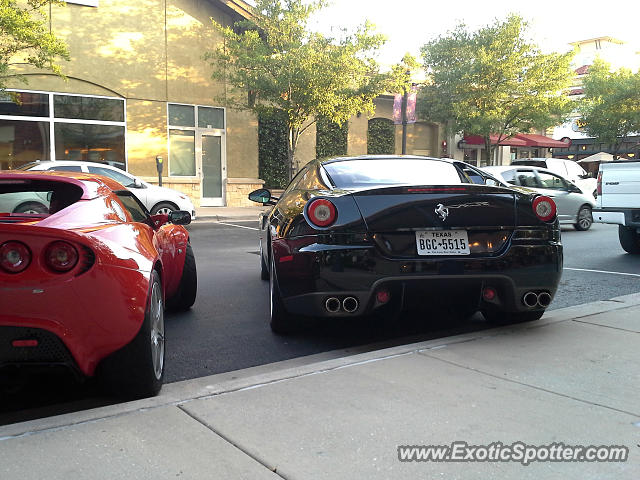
(618, 201)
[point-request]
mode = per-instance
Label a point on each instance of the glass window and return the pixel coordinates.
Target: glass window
(209, 117)
(22, 142)
(364, 173)
(182, 153)
(509, 176)
(552, 181)
(88, 108)
(527, 179)
(182, 115)
(91, 143)
(136, 209)
(25, 103)
(67, 168)
(122, 178)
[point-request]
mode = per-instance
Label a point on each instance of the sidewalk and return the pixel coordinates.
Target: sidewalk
(572, 377)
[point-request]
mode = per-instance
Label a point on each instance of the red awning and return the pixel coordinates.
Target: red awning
(534, 140)
(507, 142)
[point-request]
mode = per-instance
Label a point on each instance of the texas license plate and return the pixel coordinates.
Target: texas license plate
(442, 242)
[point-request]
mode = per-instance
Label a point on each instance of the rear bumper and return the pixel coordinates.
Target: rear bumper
(90, 316)
(311, 274)
(628, 217)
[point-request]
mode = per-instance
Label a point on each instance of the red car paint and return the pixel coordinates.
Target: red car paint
(97, 307)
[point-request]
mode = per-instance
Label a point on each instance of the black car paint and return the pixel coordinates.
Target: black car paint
(372, 245)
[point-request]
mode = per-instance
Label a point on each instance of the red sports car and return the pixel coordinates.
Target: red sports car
(85, 285)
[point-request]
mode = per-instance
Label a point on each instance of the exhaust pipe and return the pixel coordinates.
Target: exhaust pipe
(332, 305)
(544, 299)
(350, 304)
(530, 299)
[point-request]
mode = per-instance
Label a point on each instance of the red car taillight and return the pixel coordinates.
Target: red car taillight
(544, 208)
(321, 212)
(14, 257)
(599, 188)
(61, 256)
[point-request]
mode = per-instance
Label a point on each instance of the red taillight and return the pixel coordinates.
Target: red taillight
(321, 212)
(14, 257)
(61, 256)
(599, 188)
(544, 208)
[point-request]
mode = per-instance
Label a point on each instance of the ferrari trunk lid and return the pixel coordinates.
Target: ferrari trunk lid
(420, 221)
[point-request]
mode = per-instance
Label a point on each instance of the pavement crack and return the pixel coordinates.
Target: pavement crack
(231, 442)
(606, 326)
(535, 387)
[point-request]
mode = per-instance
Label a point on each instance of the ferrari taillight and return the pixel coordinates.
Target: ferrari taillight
(544, 208)
(60, 256)
(14, 257)
(321, 212)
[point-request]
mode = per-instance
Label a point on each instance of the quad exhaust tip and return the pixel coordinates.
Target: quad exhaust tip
(332, 305)
(350, 304)
(544, 299)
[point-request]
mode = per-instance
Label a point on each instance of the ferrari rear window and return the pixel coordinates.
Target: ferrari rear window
(370, 172)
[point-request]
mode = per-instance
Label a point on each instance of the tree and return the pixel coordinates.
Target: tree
(26, 39)
(494, 82)
(274, 62)
(610, 107)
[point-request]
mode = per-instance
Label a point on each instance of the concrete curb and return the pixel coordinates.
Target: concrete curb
(229, 382)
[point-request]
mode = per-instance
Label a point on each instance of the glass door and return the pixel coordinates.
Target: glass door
(213, 169)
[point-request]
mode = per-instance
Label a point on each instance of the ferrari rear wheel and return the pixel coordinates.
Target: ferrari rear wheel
(281, 322)
(137, 370)
(505, 318)
(185, 297)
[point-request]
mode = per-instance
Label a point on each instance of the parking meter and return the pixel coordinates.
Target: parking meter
(159, 168)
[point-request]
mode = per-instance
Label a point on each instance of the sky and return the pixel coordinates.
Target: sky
(408, 24)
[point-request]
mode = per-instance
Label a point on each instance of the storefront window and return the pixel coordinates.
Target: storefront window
(182, 153)
(23, 142)
(88, 108)
(209, 117)
(182, 115)
(90, 143)
(84, 128)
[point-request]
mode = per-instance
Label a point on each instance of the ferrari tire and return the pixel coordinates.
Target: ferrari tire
(137, 369)
(629, 239)
(31, 207)
(506, 318)
(264, 270)
(185, 296)
(584, 219)
(281, 322)
(163, 207)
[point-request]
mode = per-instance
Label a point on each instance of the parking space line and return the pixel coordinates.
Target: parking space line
(238, 226)
(603, 271)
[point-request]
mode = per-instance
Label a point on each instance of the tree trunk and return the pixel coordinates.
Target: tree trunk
(291, 151)
(487, 148)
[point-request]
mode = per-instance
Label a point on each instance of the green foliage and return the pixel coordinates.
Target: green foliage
(331, 138)
(381, 137)
(400, 80)
(494, 81)
(25, 39)
(610, 107)
(272, 149)
(285, 66)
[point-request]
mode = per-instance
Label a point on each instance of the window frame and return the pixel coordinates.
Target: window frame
(52, 120)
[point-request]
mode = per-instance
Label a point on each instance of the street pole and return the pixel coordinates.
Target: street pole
(404, 121)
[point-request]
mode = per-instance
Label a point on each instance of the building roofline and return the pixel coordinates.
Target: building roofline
(239, 7)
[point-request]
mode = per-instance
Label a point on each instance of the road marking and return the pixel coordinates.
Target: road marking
(238, 226)
(602, 271)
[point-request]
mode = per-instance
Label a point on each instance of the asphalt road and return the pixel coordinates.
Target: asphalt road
(227, 329)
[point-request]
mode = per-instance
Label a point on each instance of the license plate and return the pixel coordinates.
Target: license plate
(442, 242)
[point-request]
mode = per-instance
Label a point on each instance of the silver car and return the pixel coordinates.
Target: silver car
(574, 205)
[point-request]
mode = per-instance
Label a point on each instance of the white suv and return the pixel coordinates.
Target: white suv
(156, 199)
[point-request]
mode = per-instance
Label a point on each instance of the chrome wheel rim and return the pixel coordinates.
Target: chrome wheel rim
(157, 330)
(584, 218)
(164, 211)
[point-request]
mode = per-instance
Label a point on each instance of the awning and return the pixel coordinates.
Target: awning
(535, 140)
(507, 142)
(597, 157)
